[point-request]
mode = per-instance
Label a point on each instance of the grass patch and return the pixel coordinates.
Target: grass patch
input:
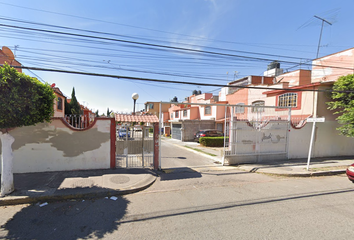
(198, 150)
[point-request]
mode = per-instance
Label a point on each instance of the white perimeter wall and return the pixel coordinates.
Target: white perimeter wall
(56, 147)
(327, 141)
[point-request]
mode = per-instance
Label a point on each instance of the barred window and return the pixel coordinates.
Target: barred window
(207, 110)
(60, 103)
(240, 108)
(287, 100)
(171, 115)
(176, 114)
(184, 113)
(258, 106)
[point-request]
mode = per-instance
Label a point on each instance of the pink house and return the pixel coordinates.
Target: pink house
(186, 119)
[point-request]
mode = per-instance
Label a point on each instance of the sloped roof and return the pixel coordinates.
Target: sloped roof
(136, 118)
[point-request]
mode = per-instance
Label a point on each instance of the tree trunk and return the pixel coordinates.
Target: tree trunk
(7, 178)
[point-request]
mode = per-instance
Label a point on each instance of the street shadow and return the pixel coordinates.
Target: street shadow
(168, 174)
(72, 219)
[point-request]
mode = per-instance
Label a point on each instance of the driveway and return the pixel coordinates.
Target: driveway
(173, 156)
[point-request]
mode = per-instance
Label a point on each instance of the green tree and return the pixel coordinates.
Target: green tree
(24, 101)
(343, 104)
(108, 112)
(67, 107)
(75, 107)
(97, 115)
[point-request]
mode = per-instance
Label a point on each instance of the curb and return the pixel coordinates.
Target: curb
(51, 198)
(309, 174)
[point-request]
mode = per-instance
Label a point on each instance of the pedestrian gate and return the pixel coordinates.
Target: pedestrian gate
(135, 149)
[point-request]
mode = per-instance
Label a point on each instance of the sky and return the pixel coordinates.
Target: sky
(188, 41)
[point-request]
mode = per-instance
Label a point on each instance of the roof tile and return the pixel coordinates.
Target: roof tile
(136, 118)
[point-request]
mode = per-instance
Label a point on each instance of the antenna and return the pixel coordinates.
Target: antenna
(236, 75)
(319, 42)
(16, 47)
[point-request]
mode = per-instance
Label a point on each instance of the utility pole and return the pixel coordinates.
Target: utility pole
(319, 42)
(315, 96)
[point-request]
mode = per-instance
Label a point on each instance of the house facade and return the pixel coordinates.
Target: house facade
(302, 92)
(59, 102)
(185, 119)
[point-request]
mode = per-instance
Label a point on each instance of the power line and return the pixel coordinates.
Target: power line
(161, 46)
(176, 82)
(119, 35)
(149, 29)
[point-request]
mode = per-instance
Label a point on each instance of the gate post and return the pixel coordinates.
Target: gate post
(113, 143)
(156, 146)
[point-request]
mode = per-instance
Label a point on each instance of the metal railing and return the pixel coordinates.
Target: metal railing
(78, 121)
(134, 148)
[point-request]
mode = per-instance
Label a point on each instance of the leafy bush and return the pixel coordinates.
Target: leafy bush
(24, 101)
(151, 130)
(212, 141)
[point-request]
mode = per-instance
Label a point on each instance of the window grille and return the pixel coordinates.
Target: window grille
(60, 103)
(258, 106)
(287, 100)
(240, 108)
(207, 110)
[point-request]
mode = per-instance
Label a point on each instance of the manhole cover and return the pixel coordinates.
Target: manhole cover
(119, 179)
(83, 183)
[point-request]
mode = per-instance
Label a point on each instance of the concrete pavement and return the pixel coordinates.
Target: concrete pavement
(53, 186)
(286, 167)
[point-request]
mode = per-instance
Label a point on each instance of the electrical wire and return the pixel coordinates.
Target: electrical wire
(179, 82)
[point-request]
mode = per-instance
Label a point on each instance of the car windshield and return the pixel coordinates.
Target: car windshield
(123, 130)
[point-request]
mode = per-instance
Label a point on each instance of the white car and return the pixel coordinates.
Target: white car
(138, 128)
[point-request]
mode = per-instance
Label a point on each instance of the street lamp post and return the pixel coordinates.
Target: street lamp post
(135, 97)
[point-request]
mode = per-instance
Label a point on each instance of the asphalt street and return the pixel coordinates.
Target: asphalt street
(185, 204)
(173, 156)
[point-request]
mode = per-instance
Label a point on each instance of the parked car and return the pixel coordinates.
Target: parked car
(207, 133)
(122, 133)
(138, 128)
(350, 172)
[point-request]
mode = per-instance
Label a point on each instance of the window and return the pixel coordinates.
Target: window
(171, 115)
(258, 106)
(184, 113)
(60, 103)
(207, 110)
(176, 114)
(151, 106)
(240, 108)
(288, 100)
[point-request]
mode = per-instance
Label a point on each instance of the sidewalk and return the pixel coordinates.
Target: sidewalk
(55, 186)
(289, 168)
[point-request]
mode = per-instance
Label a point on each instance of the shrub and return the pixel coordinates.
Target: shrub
(151, 130)
(212, 141)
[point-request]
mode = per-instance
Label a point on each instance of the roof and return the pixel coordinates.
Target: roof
(136, 118)
(293, 89)
(57, 90)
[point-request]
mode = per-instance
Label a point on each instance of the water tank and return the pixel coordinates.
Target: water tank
(274, 64)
